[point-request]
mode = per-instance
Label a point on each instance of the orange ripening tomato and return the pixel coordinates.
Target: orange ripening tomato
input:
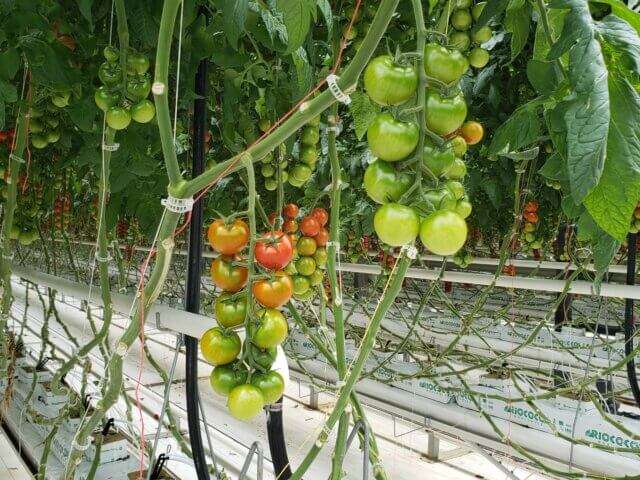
(321, 215)
(228, 277)
(272, 218)
(290, 226)
(531, 217)
(509, 270)
(322, 237)
(228, 239)
(291, 210)
(531, 206)
(310, 226)
(472, 132)
(273, 292)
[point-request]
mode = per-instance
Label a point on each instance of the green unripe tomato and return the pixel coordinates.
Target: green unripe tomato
(445, 115)
(300, 285)
(396, 224)
(61, 100)
(463, 208)
(437, 160)
(443, 232)
(267, 170)
(462, 4)
(459, 145)
(271, 184)
(309, 155)
(225, 378)
(461, 20)
(388, 83)
(143, 111)
(481, 35)
(457, 170)
(310, 136)
(118, 118)
(460, 41)
(443, 64)
(390, 139)
(39, 141)
(53, 136)
(456, 188)
(478, 57)
(105, 99)
(383, 183)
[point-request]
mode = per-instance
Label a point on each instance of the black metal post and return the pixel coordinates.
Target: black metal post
(563, 314)
(629, 321)
(194, 261)
(277, 445)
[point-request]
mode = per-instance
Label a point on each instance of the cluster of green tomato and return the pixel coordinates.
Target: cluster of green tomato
(466, 36)
(44, 120)
(303, 168)
(123, 95)
(437, 213)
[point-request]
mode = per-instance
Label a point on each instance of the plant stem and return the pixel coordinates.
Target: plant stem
(544, 16)
(313, 107)
(392, 289)
(421, 38)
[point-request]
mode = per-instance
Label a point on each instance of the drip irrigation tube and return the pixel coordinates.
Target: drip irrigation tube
(192, 295)
(629, 322)
(277, 445)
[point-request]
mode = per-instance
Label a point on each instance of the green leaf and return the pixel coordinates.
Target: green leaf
(541, 45)
(619, 35)
(274, 25)
(363, 111)
(297, 16)
(303, 70)
(9, 64)
(85, 9)
(612, 201)
(569, 207)
(544, 76)
(234, 14)
(587, 113)
(520, 130)
(517, 21)
(325, 8)
(554, 168)
(83, 113)
(620, 9)
(603, 246)
(8, 92)
(491, 10)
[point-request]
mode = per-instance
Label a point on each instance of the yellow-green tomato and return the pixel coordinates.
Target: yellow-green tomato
(245, 402)
(396, 224)
(443, 232)
(219, 347)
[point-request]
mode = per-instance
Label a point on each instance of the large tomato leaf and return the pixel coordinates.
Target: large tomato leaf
(612, 201)
(618, 34)
(621, 10)
(234, 14)
(517, 20)
(604, 247)
(363, 111)
(588, 111)
(521, 129)
(297, 16)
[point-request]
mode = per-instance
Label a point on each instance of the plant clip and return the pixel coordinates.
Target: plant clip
(338, 94)
(158, 88)
(121, 349)
(82, 448)
(110, 147)
(411, 251)
(177, 205)
(102, 259)
(16, 158)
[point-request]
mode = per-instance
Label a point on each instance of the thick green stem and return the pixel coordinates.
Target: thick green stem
(161, 92)
(336, 291)
(312, 108)
(392, 289)
(103, 268)
(6, 244)
(421, 37)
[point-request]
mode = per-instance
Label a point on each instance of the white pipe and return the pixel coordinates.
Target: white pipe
(537, 442)
(168, 318)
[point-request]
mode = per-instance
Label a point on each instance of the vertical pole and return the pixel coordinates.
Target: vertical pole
(194, 261)
(563, 314)
(629, 320)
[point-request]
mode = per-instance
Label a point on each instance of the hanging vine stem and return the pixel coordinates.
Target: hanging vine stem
(394, 284)
(179, 188)
(15, 162)
(421, 103)
(336, 290)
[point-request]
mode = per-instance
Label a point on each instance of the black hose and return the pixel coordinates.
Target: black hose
(629, 323)
(194, 260)
(277, 445)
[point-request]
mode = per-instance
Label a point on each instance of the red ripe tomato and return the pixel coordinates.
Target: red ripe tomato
(531, 206)
(531, 217)
(290, 226)
(227, 276)
(321, 215)
(228, 239)
(3, 136)
(272, 218)
(274, 292)
(310, 226)
(274, 250)
(322, 237)
(291, 210)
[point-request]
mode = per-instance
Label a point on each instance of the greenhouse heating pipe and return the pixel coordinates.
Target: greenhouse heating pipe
(629, 322)
(194, 259)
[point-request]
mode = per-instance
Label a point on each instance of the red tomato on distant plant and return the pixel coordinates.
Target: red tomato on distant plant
(322, 237)
(228, 239)
(321, 215)
(274, 250)
(310, 226)
(291, 210)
